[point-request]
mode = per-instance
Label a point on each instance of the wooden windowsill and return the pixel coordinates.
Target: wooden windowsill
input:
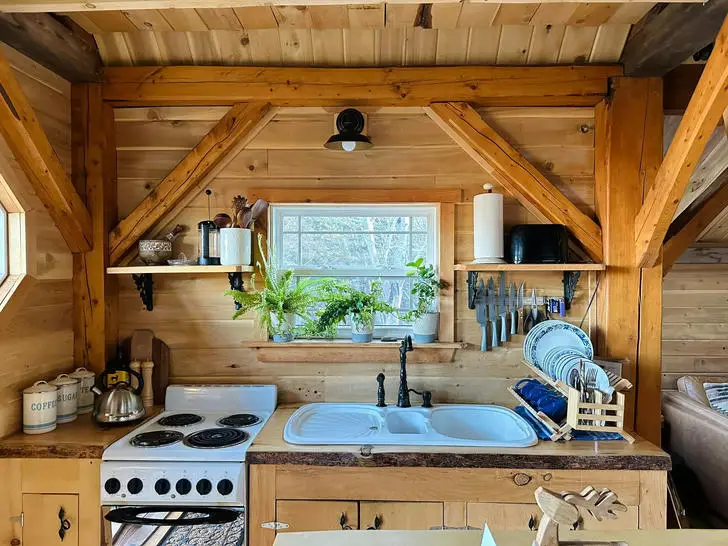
(348, 351)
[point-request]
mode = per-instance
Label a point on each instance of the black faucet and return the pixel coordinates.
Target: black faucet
(380, 391)
(403, 400)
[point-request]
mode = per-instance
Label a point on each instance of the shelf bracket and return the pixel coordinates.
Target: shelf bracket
(144, 284)
(571, 280)
(236, 283)
(472, 288)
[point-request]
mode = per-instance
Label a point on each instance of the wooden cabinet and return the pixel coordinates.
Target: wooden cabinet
(36, 491)
(400, 515)
(317, 515)
(44, 515)
(314, 497)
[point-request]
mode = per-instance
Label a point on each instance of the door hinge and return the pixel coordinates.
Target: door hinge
(20, 519)
(275, 525)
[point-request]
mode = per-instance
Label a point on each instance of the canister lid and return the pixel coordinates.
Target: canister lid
(64, 379)
(40, 386)
(80, 373)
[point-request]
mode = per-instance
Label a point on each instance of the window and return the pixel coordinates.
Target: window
(4, 259)
(357, 243)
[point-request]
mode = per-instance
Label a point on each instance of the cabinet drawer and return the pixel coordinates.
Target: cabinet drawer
(409, 516)
(317, 515)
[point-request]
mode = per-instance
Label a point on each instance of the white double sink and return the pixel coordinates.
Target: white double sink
(446, 425)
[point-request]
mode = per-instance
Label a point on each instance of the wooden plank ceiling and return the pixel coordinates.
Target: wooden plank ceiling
(366, 34)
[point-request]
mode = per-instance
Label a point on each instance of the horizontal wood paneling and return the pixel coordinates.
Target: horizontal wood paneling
(695, 322)
(36, 335)
(193, 317)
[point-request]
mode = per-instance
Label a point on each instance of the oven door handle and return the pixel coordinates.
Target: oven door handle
(211, 516)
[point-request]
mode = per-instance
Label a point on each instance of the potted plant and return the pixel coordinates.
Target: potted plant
(426, 287)
(280, 301)
(343, 301)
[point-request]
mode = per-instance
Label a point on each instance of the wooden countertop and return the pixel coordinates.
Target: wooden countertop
(80, 439)
(674, 537)
(270, 448)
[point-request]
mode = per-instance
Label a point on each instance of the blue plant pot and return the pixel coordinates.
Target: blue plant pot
(361, 338)
(282, 338)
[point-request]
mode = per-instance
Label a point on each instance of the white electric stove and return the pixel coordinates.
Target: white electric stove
(185, 467)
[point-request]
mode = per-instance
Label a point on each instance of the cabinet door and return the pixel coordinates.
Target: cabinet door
(317, 515)
(42, 521)
(401, 515)
(502, 516)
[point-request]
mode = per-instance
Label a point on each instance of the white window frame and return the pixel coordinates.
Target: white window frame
(4, 244)
(430, 210)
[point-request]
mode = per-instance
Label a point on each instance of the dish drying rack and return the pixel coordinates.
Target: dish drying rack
(587, 416)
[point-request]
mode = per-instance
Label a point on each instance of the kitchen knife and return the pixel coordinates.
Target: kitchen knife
(502, 306)
(520, 305)
(512, 304)
(480, 314)
(492, 312)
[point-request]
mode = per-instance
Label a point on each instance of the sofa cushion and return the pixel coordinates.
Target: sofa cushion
(717, 394)
(692, 386)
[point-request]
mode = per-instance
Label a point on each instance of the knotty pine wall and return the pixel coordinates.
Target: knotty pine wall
(193, 317)
(36, 333)
(695, 313)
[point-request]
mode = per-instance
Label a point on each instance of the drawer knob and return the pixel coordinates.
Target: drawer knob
(521, 479)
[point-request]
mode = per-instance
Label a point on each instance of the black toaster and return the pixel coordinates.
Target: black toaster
(538, 244)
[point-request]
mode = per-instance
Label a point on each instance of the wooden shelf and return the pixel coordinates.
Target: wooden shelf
(347, 351)
(185, 269)
(529, 267)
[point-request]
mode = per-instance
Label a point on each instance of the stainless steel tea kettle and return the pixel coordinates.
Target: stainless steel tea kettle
(119, 404)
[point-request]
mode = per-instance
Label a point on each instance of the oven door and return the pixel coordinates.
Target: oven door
(175, 526)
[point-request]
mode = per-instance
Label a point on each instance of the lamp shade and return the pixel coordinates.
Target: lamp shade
(349, 124)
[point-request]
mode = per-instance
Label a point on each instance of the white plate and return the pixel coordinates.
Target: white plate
(557, 333)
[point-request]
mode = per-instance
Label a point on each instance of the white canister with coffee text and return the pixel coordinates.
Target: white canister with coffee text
(67, 398)
(86, 380)
(39, 408)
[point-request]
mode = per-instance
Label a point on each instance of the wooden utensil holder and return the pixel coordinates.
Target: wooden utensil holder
(587, 416)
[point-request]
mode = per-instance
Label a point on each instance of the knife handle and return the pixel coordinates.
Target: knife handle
(514, 322)
(484, 338)
(504, 329)
(495, 333)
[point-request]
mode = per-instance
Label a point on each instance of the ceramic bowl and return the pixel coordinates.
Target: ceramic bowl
(155, 251)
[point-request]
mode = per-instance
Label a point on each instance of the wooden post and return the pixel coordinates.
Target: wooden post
(95, 321)
(628, 136)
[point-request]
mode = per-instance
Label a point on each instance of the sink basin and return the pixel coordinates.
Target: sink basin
(446, 425)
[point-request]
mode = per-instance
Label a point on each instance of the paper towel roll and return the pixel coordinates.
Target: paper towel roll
(488, 227)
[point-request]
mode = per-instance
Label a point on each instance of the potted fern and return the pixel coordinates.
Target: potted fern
(281, 300)
(426, 288)
(343, 301)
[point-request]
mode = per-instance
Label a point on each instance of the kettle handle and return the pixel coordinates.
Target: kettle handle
(140, 380)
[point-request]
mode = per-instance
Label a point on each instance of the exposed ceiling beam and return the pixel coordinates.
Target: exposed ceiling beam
(219, 146)
(705, 109)
(98, 5)
(57, 43)
(694, 220)
(669, 34)
(31, 148)
(532, 189)
(413, 86)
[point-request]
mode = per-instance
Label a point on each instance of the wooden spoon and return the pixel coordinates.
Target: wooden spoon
(258, 208)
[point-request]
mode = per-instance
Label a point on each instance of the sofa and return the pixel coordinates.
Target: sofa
(697, 436)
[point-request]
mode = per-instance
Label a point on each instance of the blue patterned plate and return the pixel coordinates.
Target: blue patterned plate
(557, 333)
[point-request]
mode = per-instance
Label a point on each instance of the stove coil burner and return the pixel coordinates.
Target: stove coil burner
(157, 438)
(180, 420)
(212, 438)
(239, 420)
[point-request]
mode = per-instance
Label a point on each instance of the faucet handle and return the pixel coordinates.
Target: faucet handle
(380, 391)
(426, 399)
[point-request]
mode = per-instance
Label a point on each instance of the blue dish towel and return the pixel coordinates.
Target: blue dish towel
(543, 433)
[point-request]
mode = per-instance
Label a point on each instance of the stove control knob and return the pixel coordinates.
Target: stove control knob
(225, 487)
(204, 487)
(183, 486)
(162, 486)
(112, 486)
(134, 486)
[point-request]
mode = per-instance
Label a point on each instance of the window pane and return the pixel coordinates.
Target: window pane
(290, 223)
(419, 223)
(289, 251)
(354, 250)
(3, 244)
